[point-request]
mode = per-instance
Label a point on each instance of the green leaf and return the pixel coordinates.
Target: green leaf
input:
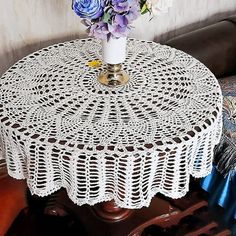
(144, 9)
(106, 17)
(142, 2)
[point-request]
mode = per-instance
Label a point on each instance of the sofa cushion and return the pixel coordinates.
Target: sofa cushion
(226, 151)
(214, 45)
(228, 85)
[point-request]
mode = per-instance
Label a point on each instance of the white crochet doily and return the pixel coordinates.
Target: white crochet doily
(61, 128)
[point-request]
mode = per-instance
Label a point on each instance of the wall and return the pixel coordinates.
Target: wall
(27, 25)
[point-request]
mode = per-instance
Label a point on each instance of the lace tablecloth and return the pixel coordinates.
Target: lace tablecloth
(61, 128)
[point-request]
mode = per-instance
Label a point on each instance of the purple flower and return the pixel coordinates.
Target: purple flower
(134, 12)
(120, 20)
(118, 31)
(107, 18)
(99, 30)
(120, 6)
(90, 9)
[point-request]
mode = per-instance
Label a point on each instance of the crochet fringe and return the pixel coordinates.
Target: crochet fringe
(225, 156)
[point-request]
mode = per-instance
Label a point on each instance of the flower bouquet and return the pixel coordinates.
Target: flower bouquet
(111, 21)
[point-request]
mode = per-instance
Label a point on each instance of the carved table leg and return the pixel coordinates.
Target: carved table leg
(106, 219)
(110, 212)
(55, 205)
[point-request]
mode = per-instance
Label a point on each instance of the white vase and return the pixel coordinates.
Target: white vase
(114, 50)
(113, 53)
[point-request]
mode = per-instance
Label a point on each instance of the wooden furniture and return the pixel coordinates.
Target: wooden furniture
(113, 147)
(12, 199)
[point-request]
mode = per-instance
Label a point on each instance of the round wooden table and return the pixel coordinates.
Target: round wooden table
(111, 148)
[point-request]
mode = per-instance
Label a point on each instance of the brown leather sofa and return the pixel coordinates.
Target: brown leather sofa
(215, 46)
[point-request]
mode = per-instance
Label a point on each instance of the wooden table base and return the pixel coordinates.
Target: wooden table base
(106, 219)
(110, 212)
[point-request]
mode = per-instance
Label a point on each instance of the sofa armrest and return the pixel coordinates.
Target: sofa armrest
(214, 45)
